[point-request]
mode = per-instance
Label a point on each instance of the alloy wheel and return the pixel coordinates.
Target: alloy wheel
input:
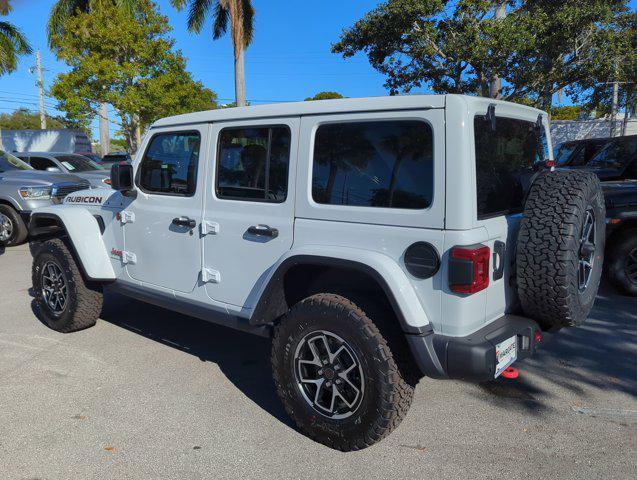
(6, 228)
(587, 251)
(329, 374)
(54, 288)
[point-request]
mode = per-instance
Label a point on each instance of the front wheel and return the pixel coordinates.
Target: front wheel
(13, 231)
(66, 303)
(336, 374)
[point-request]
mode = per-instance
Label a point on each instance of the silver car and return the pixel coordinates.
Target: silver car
(23, 189)
(68, 163)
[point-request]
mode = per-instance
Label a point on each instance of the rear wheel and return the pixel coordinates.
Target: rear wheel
(13, 231)
(336, 374)
(622, 262)
(66, 302)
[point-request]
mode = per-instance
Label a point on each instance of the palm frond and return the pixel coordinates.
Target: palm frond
(220, 20)
(60, 13)
(197, 14)
(12, 45)
(248, 22)
(5, 7)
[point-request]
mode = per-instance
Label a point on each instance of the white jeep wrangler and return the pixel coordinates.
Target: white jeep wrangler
(376, 240)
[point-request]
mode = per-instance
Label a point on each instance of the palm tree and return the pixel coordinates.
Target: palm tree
(60, 13)
(12, 42)
(240, 14)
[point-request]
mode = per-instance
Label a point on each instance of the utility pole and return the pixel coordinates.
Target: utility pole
(500, 12)
(614, 107)
(38, 66)
(105, 139)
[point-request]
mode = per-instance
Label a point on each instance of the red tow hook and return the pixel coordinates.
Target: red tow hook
(510, 373)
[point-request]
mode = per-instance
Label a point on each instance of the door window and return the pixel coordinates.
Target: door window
(169, 165)
(41, 163)
(374, 164)
(252, 163)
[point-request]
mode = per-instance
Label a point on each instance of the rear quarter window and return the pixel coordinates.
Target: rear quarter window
(374, 164)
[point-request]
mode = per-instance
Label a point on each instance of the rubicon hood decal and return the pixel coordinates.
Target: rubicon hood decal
(96, 196)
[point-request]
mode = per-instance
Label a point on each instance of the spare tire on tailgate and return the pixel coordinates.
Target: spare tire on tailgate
(560, 249)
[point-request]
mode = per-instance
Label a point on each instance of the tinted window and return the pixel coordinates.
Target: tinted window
(506, 159)
(616, 154)
(9, 162)
(252, 163)
(41, 163)
(564, 153)
(170, 164)
(374, 164)
(75, 163)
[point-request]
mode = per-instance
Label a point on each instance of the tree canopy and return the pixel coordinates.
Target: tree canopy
(127, 60)
(24, 119)
(540, 47)
(325, 96)
(13, 43)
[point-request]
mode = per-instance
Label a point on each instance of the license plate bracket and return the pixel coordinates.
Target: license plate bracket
(506, 352)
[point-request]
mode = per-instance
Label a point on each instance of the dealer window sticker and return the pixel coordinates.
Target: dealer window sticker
(68, 166)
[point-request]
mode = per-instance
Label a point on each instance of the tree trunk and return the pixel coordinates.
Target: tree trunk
(105, 140)
(239, 77)
(138, 133)
(495, 87)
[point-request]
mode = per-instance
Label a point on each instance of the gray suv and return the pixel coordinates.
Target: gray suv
(23, 189)
(72, 163)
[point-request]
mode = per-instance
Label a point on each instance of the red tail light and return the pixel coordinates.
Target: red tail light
(469, 269)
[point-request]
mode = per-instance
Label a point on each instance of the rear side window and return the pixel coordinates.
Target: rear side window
(506, 159)
(252, 163)
(617, 153)
(374, 164)
(170, 164)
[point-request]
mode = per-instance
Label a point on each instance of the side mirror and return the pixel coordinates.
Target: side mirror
(53, 169)
(122, 177)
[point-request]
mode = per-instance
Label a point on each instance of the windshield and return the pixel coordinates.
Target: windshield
(616, 154)
(78, 164)
(9, 162)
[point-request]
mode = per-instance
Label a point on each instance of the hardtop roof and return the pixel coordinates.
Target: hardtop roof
(321, 107)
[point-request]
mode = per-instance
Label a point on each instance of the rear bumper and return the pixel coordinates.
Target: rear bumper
(472, 357)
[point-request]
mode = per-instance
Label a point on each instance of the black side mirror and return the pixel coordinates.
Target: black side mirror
(122, 177)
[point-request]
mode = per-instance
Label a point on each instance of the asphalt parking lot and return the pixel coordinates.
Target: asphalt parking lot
(147, 393)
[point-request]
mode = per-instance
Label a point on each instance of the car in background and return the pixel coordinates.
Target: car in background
(23, 189)
(578, 152)
(621, 234)
(91, 156)
(68, 163)
(615, 159)
(116, 157)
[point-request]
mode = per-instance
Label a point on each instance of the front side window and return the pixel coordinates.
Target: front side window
(252, 163)
(506, 159)
(170, 164)
(374, 164)
(41, 163)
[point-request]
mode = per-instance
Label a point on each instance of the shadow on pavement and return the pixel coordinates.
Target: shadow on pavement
(601, 353)
(243, 358)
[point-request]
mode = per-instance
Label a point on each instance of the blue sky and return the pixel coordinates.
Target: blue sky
(289, 59)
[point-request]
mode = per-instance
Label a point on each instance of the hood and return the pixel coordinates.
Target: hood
(96, 179)
(35, 178)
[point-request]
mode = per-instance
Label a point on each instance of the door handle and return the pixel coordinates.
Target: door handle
(263, 231)
(184, 222)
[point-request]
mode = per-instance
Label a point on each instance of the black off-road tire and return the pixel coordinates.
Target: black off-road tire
(20, 230)
(387, 395)
(622, 256)
(84, 303)
(548, 249)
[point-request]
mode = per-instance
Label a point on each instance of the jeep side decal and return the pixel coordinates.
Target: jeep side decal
(85, 199)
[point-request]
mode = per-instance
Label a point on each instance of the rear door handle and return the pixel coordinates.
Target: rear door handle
(263, 231)
(184, 222)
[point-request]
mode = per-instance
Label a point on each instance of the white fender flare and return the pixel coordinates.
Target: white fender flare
(85, 237)
(399, 290)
